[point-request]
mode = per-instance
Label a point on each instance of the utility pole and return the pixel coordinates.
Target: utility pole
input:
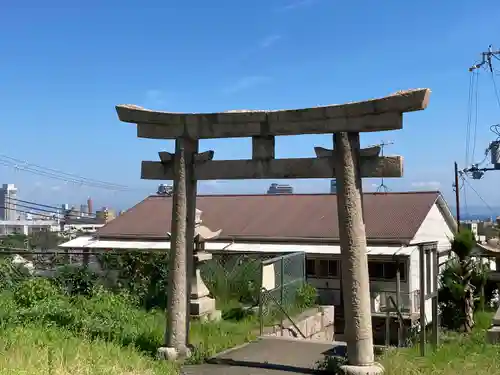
(457, 196)
(486, 59)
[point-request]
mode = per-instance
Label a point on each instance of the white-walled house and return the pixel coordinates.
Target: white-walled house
(324, 270)
(275, 224)
(27, 227)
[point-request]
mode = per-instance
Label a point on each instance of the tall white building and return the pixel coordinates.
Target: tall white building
(333, 186)
(8, 206)
(280, 189)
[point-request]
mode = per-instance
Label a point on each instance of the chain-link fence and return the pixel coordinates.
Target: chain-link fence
(281, 279)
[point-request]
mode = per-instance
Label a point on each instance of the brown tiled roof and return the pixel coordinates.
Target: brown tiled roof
(388, 216)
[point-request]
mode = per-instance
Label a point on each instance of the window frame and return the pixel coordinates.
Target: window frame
(332, 268)
(402, 270)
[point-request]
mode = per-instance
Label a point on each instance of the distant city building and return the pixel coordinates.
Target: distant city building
(8, 206)
(84, 224)
(105, 214)
(27, 227)
(280, 189)
(84, 210)
(164, 189)
(333, 186)
(90, 206)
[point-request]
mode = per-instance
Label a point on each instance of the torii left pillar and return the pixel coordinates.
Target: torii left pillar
(177, 329)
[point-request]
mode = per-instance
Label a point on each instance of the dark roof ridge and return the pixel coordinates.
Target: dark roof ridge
(304, 194)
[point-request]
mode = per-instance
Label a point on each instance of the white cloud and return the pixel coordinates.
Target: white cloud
(426, 184)
(296, 4)
(269, 40)
(56, 188)
(246, 83)
(155, 98)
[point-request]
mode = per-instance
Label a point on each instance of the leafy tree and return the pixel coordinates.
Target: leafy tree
(457, 283)
(17, 241)
(44, 240)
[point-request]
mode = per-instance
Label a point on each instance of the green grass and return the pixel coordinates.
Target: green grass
(458, 354)
(50, 350)
(43, 329)
(106, 332)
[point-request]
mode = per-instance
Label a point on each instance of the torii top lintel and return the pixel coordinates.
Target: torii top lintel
(366, 116)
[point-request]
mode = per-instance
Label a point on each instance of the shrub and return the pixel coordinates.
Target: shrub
(233, 278)
(33, 290)
(76, 280)
(458, 292)
(306, 296)
(141, 274)
(11, 274)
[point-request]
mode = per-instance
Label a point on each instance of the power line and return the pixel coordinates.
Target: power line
(479, 195)
(38, 210)
(28, 212)
(34, 203)
(29, 205)
(469, 118)
(25, 166)
(497, 95)
(475, 117)
(58, 172)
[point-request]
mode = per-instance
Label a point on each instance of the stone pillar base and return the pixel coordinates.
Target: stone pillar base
(374, 369)
(204, 309)
(168, 353)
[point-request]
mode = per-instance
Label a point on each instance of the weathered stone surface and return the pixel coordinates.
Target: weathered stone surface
(263, 147)
(387, 166)
(355, 281)
(168, 353)
(373, 369)
(176, 330)
(372, 115)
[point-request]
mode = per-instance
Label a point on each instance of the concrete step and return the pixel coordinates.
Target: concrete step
(496, 318)
(493, 335)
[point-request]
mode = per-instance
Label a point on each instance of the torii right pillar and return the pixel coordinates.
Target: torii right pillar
(355, 280)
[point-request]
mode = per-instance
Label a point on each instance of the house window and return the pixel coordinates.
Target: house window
(310, 267)
(386, 270)
(328, 268)
(323, 268)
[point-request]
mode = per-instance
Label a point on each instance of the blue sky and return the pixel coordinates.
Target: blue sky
(65, 65)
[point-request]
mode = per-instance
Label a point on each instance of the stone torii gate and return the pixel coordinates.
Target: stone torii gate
(345, 161)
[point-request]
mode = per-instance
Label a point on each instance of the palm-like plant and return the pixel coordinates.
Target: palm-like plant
(458, 275)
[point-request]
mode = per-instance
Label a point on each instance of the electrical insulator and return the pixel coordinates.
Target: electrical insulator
(477, 175)
(495, 154)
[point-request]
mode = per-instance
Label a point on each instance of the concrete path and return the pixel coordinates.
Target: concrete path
(269, 355)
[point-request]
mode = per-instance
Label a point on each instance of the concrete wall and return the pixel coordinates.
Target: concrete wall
(315, 324)
(433, 228)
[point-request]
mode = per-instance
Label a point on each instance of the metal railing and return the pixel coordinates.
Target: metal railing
(409, 303)
(281, 278)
